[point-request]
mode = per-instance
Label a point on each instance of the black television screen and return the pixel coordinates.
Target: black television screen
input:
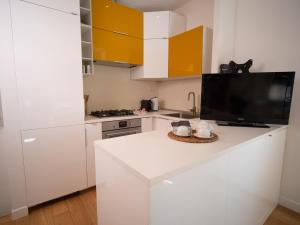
(250, 98)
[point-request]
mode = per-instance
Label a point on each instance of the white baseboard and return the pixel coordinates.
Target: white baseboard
(288, 203)
(19, 212)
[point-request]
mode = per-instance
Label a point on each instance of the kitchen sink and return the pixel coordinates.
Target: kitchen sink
(181, 115)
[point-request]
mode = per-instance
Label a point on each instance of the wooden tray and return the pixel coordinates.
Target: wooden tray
(193, 139)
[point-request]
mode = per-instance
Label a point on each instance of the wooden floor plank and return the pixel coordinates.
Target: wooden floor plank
(81, 209)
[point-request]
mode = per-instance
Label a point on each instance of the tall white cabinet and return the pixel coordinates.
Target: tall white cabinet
(48, 66)
(47, 47)
(158, 28)
(69, 6)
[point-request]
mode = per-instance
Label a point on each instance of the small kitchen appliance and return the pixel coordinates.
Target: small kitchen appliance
(154, 104)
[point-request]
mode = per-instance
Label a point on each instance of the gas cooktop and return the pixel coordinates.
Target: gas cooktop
(112, 113)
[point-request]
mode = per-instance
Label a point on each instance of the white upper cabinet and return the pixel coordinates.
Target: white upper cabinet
(163, 24)
(69, 6)
(155, 60)
(48, 66)
(158, 28)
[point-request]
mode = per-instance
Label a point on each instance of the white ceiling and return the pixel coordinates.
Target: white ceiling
(153, 5)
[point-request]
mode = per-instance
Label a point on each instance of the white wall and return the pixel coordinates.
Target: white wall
(10, 140)
(198, 12)
(224, 32)
(111, 88)
(268, 32)
(173, 94)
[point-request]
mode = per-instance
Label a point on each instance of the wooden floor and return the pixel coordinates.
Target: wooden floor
(80, 209)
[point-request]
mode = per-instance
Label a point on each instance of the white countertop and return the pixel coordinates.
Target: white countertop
(154, 156)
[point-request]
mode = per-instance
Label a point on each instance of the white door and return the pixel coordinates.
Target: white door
(55, 162)
(93, 133)
(48, 66)
(70, 6)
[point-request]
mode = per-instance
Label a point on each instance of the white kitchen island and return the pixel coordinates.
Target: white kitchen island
(149, 179)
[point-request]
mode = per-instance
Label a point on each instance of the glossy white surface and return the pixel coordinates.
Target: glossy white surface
(241, 187)
(156, 24)
(55, 162)
(237, 184)
(92, 132)
(12, 179)
(163, 24)
(158, 27)
(171, 157)
(147, 124)
(48, 66)
(156, 55)
(122, 198)
(197, 196)
(69, 6)
(254, 175)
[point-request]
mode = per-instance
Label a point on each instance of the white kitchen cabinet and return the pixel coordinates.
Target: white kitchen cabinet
(69, 6)
(93, 133)
(147, 124)
(163, 24)
(158, 27)
(162, 124)
(239, 182)
(48, 66)
(254, 177)
(55, 162)
(156, 54)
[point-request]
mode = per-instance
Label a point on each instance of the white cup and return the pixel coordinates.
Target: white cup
(204, 129)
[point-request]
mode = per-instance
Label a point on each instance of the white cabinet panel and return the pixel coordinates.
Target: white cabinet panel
(254, 179)
(122, 197)
(197, 196)
(156, 24)
(155, 60)
(48, 66)
(147, 124)
(163, 24)
(93, 133)
(55, 162)
(69, 6)
(162, 124)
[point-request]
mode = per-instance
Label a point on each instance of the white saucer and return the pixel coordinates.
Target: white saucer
(198, 136)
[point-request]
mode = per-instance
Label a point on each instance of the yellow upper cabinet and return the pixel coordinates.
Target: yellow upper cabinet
(117, 48)
(185, 53)
(111, 16)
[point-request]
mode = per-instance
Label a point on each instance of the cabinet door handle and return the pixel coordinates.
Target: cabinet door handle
(118, 32)
(123, 62)
(29, 140)
(85, 137)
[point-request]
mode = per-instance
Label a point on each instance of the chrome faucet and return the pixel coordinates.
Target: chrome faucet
(193, 110)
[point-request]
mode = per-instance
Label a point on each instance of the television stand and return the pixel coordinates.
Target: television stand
(241, 124)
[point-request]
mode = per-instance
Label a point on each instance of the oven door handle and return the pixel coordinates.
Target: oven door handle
(119, 134)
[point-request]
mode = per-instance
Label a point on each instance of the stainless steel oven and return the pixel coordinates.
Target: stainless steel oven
(120, 128)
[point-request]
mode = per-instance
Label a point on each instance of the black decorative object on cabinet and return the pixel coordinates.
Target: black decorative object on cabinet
(235, 68)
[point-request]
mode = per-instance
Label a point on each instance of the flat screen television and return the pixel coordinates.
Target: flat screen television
(251, 99)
